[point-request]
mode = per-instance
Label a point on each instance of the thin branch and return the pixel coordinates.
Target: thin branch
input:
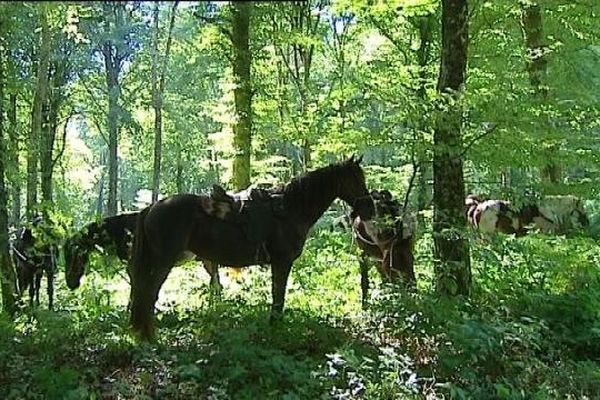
(476, 139)
(161, 86)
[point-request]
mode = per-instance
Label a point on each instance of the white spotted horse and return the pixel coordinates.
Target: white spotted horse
(553, 214)
(270, 229)
(115, 236)
(390, 241)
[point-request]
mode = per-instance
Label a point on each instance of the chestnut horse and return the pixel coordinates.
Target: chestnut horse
(115, 236)
(390, 242)
(269, 230)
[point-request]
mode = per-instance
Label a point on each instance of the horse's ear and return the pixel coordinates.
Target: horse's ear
(358, 160)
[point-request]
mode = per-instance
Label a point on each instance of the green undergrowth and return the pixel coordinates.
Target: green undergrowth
(530, 330)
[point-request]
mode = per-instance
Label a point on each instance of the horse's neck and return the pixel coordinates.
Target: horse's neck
(315, 200)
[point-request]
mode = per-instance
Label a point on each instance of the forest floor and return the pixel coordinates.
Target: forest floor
(530, 330)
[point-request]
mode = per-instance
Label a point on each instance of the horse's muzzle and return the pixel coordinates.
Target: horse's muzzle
(364, 208)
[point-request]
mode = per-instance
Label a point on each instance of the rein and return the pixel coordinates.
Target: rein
(18, 253)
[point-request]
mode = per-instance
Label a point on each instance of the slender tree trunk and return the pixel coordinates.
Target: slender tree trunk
(537, 68)
(452, 267)
(157, 104)
(158, 88)
(47, 145)
(112, 81)
(13, 173)
(36, 113)
(7, 274)
(242, 130)
(179, 173)
(425, 26)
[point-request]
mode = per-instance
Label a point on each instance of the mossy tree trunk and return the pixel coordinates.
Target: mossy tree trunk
(35, 134)
(242, 129)
(451, 248)
(7, 274)
(537, 68)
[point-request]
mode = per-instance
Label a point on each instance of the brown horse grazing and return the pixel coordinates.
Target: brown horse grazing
(115, 236)
(269, 230)
(32, 260)
(391, 242)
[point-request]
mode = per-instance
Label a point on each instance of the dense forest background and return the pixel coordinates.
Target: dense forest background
(108, 106)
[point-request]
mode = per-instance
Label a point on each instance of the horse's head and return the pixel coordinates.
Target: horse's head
(353, 189)
(75, 260)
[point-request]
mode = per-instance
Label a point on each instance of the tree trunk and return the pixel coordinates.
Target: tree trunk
(242, 130)
(158, 87)
(537, 68)
(47, 145)
(13, 174)
(36, 113)
(112, 82)
(425, 26)
(179, 173)
(157, 104)
(453, 269)
(7, 274)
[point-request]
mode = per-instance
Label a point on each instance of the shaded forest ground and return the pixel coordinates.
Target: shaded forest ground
(530, 330)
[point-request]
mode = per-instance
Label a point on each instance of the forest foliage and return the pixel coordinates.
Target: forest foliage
(80, 86)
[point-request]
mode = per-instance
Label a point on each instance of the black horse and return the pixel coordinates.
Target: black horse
(115, 236)
(32, 258)
(389, 241)
(265, 230)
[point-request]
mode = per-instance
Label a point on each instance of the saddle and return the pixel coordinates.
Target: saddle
(255, 209)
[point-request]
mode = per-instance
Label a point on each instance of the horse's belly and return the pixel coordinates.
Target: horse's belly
(227, 244)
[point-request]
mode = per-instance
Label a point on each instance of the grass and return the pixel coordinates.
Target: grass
(529, 331)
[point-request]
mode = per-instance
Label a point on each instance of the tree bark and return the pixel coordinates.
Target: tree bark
(537, 68)
(54, 102)
(13, 173)
(242, 130)
(451, 248)
(37, 114)
(425, 27)
(158, 88)
(112, 83)
(7, 273)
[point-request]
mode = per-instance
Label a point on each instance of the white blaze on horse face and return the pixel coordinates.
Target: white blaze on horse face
(409, 225)
(371, 229)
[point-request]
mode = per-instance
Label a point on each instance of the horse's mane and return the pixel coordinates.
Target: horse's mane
(309, 192)
(101, 232)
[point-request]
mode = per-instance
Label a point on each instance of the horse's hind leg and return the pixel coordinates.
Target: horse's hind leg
(215, 284)
(364, 279)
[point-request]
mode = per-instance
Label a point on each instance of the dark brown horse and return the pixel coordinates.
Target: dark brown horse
(260, 231)
(390, 242)
(115, 236)
(33, 258)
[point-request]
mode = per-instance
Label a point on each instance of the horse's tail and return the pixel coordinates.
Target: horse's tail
(140, 274)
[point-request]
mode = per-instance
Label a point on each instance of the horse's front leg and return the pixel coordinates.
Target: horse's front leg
(50, 288)
(280, 273)
(37, 284)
